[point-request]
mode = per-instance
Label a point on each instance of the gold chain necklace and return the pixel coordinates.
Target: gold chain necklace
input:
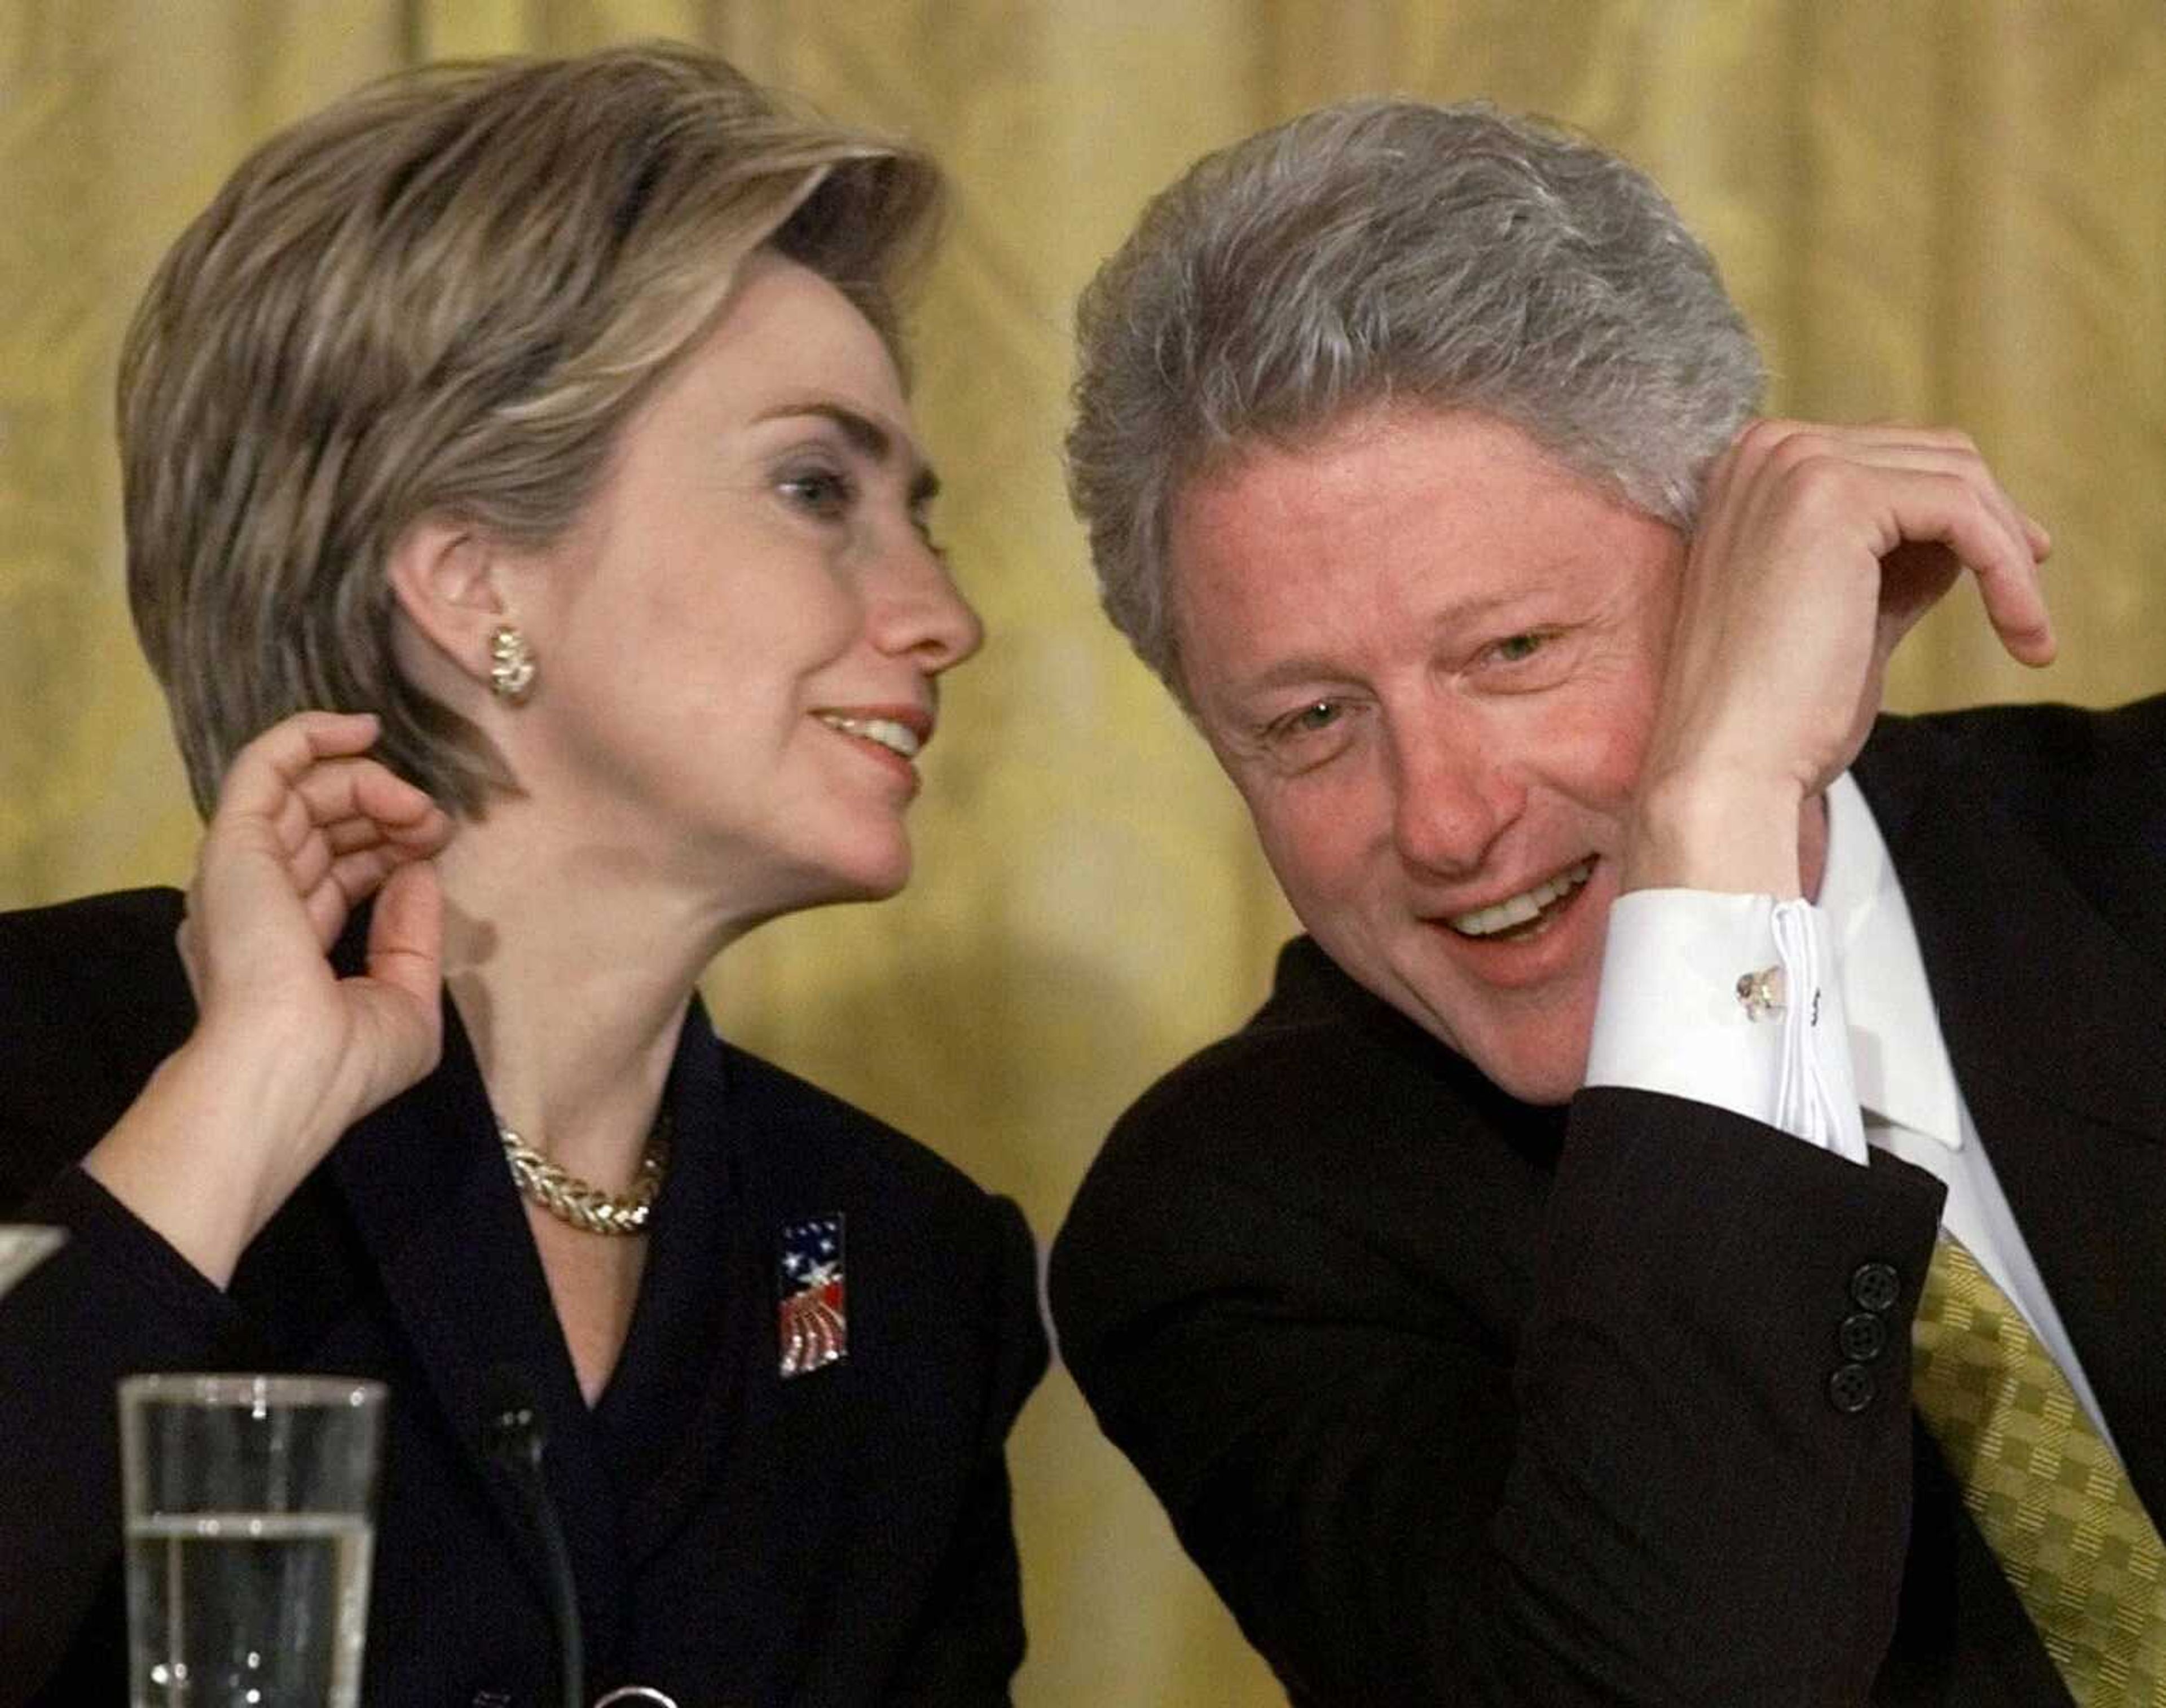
(580, 1202)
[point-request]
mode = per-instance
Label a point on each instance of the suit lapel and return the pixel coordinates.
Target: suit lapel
(759, 1448)
(2056, 1024)
(693, 1348)
(428, 1190)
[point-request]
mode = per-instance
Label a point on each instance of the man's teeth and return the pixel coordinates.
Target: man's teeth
(1517, 910)
(899, 738)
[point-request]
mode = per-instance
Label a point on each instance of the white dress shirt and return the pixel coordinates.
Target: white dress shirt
(1854, 1059)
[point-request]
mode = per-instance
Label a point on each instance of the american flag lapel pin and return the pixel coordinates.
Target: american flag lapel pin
(812, 1323)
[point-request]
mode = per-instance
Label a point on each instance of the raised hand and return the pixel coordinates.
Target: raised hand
(286, 1055)
(1818, 550)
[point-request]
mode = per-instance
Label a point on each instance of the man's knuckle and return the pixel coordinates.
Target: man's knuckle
(1762, 437)
(1817, 482)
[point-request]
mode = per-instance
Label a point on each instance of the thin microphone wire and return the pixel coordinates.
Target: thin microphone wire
(513, 1436)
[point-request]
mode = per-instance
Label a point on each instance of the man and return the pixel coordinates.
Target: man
(1417, 451)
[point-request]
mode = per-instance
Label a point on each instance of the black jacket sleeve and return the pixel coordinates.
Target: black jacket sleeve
(971, 1640)
(92, 998)
(114, 1301)
(1640, 1492)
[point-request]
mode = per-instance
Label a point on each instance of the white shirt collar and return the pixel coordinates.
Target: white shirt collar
(1897, 1057)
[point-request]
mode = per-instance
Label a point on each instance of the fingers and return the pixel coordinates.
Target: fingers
(305, 812)
(335, 863)
(307, 779)
(406, 933)
(1922, 449)
(331, 792)
(264, 770)
(1910, 486)
(354, 802)
(184, 940)
(1790, 447)
(345, 883)
(1929, 502)
(2015, 605)
(306, 773)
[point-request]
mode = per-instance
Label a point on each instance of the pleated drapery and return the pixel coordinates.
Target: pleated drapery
(1940, 209)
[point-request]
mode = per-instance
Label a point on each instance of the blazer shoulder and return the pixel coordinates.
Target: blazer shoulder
(92, 997)
(99, 960)
(117, 922)
(2040, 758)
(1321, 1051)
(831, 1139)
(2087, 785)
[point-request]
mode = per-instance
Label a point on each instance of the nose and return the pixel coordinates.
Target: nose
(918, 611)
(1452, 794)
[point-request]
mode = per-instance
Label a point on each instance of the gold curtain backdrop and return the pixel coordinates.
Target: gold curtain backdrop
(1951, 211)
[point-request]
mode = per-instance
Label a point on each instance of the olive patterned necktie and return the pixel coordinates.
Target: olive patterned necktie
(2047, 1491)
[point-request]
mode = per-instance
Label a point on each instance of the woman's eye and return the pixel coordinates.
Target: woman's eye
(824, 493)
(922, 522)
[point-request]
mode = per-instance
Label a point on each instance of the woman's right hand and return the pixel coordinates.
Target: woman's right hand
(286, 1055)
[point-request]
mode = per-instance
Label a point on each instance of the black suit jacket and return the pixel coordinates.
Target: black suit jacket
(841, 1536)
(1457, 1400)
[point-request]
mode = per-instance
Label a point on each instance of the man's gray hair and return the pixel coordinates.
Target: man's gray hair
(1395, 252)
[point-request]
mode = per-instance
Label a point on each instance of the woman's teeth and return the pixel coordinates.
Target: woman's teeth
(1519, 910)
(896, 737)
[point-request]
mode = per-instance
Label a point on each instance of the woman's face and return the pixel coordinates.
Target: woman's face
(739, 643)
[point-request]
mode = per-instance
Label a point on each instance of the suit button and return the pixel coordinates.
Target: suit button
(1850, 1389)
(1863, 1337)
(1874, 1286)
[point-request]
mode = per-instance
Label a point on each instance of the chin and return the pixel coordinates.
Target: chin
(1541, 1060)
(1538, 1056)
(873, 875)
(1543, 1083)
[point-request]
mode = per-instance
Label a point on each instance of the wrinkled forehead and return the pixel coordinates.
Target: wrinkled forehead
(1384, 474)
(1400, 516)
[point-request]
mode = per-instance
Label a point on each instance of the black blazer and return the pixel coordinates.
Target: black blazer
(839, 1537)
(1457, 1400)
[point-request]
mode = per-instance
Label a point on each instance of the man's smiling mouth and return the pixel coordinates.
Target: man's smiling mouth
(1527, 914)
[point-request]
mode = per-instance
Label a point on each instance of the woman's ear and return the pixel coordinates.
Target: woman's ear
(446, 576)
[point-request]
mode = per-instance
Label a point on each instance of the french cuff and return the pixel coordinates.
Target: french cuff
(1733, 1001)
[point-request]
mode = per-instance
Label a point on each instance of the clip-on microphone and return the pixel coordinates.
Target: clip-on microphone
(512, 1435)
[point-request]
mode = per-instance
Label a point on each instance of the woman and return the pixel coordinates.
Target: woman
(541, 420)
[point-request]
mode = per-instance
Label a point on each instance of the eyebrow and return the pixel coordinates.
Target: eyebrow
(869, 437)
(1302, 669)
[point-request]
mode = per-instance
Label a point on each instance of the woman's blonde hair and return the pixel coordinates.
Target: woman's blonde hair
(444, 295)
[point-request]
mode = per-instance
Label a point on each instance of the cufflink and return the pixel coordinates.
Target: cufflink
(1760, 994)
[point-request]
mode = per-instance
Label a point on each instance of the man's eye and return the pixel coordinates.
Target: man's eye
(1514, 648)
(1311, 720)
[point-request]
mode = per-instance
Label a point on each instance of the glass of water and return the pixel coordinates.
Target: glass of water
(248, 1503)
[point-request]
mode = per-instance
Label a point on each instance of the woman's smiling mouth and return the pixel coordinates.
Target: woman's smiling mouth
(884, 731)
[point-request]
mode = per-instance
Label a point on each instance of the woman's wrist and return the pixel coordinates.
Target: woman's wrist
(208, 1151)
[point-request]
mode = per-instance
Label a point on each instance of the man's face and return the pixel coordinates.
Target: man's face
(1428, 655)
